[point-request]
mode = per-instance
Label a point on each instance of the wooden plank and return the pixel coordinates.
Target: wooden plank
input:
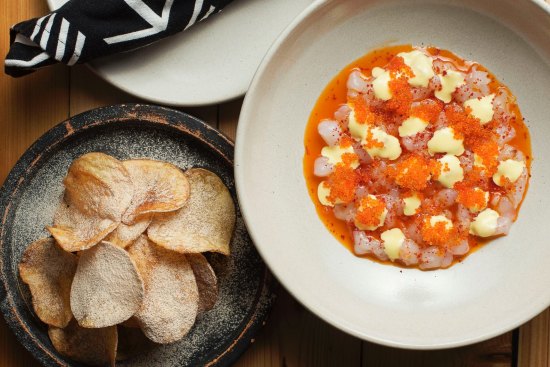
(534, 342)
(294, 337)
(496, 352)
(26, 113)
(229, 117)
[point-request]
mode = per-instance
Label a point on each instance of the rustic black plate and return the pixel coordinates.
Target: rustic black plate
(34, 187)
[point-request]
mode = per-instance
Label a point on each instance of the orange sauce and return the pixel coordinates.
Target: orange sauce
(335, 94)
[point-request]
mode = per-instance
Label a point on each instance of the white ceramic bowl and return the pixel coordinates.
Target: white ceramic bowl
(497, 288)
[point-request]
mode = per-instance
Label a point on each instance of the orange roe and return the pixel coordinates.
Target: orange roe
(371, 142)
(398, 68)
(349, 158)
(345, 141)
(369, 212)
(402, 98)
(342, 181)
(488, 152)
(427, 111)
(438, 234)
(363, 114)
(412, 173)
(474, 133)
(471, 198)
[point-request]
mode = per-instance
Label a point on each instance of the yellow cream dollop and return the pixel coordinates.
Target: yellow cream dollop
(392, 240)
(451, 171)
(412, 203)
(391, 148)
(380, 83)
(509, 169)
(481, 108)
(449, 82)
(485, 224)
(334, 154)
(412, 126)
(444, 141)
(421, 65)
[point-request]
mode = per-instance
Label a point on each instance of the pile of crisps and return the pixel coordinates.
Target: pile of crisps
(126, 249)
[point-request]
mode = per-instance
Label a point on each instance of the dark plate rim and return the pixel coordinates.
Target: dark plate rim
(151, 115)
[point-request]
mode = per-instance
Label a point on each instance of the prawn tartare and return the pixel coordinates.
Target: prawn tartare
(414, 156)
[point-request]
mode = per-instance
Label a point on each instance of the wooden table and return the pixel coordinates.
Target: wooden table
(293, 336)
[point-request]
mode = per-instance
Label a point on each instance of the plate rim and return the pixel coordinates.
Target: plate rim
(318, 309)
(153, 116)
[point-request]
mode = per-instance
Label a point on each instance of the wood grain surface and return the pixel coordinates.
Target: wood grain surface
(293, 336)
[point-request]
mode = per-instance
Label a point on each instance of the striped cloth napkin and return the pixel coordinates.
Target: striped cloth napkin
(83, 30)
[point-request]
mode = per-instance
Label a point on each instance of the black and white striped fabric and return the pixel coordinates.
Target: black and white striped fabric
(82, 30)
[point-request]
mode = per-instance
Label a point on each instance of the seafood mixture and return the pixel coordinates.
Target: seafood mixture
(414, 156)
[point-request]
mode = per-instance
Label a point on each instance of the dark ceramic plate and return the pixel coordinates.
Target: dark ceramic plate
(34, 187)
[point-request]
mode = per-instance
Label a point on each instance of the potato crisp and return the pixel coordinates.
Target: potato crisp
(124, 269)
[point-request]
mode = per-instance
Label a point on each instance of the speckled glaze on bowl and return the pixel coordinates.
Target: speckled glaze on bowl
(34, 187)
(497, 288)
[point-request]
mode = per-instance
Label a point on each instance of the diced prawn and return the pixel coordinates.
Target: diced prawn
(441, 121)
(362, 154)
(504, 207)
(364, 244)
(501, 105)
(445, 198)
(503, 225)
(412, 231)
(409, 252)
(440, 65)
(380, 253)
(476, 85)
(342, 113)
(461, 248)
(447, 260)
(322, 167)
(361, 191)
(505, 132)
(467, 161)
(420, 93)
(463, 218)
(416, 142)
(394, 205)
(431, 258)
(344, 212)
(357, 82)
(434, 84)
(509, 152)
(507, 213)
(330, 131)
(515, 193)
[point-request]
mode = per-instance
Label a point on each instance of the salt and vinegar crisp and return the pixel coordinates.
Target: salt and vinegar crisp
(107, 288)
(206, 221)
(49, 271)
(118, 278)
(158, 187)
(207, 281)
(98, 191)
(171, 298)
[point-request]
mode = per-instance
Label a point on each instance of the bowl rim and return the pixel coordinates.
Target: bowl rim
(152, 116)
(327, 316)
